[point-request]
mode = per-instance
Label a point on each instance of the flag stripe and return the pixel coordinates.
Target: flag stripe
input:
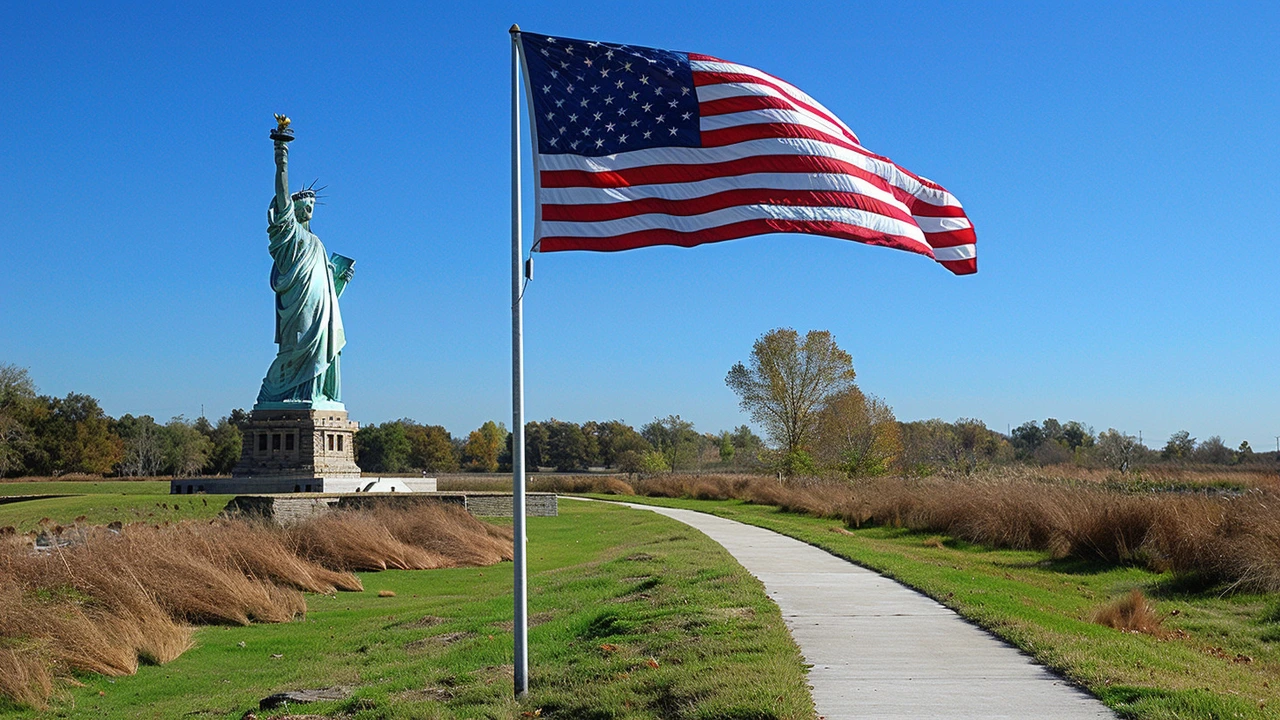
(732, 231)
(833, 182)
(727, 199)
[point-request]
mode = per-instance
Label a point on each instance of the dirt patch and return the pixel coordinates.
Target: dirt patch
(426, 621)
(739, 613)
(535, 620)
(436, 641)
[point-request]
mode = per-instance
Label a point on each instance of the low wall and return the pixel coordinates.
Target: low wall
(292, 507)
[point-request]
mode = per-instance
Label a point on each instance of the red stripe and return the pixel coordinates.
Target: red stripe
(665, 174)
(701, 78)
(927, 210)
(743, 103)
(731, 231)
(951, 238)
(961, 267)
(720, 201)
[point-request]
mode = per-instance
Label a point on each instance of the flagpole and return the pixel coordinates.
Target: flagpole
(521, 626)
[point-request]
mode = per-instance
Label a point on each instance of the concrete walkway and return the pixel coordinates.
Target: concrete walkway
(881, 650)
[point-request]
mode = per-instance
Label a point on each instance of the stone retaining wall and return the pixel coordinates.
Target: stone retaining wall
(293, 507)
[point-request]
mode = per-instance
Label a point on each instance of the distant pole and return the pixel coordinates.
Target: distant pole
(521, 626)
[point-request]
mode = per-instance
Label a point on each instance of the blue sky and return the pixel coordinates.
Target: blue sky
(1119, 164)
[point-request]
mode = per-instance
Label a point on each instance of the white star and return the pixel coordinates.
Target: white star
(544, 52)
(586, 61)
(546, 88)
(634, 95)
(564, 65)
(550, 115)
(673, 103)
(604, 72)
(646, 107)
(661, 119)
(596, 116)
(685, 116)
(622, 138)
(670, 72)
(579, 77)
(608, 100)
(583, 103)
(635, 123)
(684, 91)
(618, 84)
(651, 60)
(552, 141)
(551, 40)
(569, 49)
(644, 79)
(609, 54)
(657, 90)
(555, 73)
(570, 89)
(647, 133)
(595, 88)
(599, 143)
(586, 131)
(626, 66)
(622, 111)
(673, 129)
(561, 129)
(573, 117)
(593, 44)
(608, 127)
(560, 102)
(574, 144)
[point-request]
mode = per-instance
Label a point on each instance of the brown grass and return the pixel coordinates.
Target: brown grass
(1232, 540)
(113, 597)
(1131, 612)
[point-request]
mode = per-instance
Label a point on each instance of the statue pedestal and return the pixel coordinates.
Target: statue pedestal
(298, 451)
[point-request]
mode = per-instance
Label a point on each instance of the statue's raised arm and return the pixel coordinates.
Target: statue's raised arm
(282, 136)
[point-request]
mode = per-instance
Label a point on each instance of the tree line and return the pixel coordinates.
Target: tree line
(800, 390)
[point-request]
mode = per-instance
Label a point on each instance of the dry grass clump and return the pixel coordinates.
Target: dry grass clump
(1131, 612)
(578, 484)
(112, 597)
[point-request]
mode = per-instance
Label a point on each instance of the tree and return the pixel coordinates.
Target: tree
(1026, 439)
(18, 403)
(1118, 450)
(76, 437)
(857, 434)
(566, 446)
(786, 382)
(431, 448)
(186, 449)
(1180, 447)
(383, 448)
(674, 439)
(727, 449)
(483, 447)
(143, 445)
(1076, 435)
(1244, 453)
(1214, 451)
(615, 437)
(228, 444)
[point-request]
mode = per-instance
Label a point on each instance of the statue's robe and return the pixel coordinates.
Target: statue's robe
(308, 323)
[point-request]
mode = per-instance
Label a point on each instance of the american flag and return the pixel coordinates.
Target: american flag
(636, 146)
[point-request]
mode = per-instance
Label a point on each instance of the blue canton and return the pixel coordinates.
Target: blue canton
(595, 98)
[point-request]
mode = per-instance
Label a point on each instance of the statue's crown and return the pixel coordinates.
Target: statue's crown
(309, 191)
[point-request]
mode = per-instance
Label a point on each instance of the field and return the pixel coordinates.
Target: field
(634, 617)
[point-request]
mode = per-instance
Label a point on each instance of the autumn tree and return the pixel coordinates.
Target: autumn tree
(785, 383)
(431, 448)
(857, 434)
(484, 445)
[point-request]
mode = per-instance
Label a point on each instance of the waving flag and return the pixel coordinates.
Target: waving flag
(635, 146)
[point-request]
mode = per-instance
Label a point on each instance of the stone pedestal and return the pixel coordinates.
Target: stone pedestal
(303, 448)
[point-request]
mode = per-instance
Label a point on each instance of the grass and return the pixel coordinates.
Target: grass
(1218, 656)
(26, 486)
(635, 616)
(30, 515)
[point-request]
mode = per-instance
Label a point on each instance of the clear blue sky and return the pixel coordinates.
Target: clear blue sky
(1119, 164)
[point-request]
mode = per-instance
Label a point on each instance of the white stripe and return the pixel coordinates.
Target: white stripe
(709, 93)
(737, 151)
(821, 182)
(959, 252)
(739, 213)
(792, 90)
(769, 115)
(941, 224)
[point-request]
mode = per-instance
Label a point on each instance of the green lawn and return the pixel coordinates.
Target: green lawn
(1221, 660)
(637, 617)
(85, 487)
(26, 515)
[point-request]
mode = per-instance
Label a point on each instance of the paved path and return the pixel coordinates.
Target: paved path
(881, 650)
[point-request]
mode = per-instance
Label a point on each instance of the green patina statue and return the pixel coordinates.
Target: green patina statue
(307, 281)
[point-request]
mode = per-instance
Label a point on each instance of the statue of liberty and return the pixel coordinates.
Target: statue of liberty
(307, 282)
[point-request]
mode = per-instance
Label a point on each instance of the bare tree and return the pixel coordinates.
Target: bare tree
(1117, 449)
(787, 381)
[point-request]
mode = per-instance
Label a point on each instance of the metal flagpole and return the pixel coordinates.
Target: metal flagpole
(521, 626)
